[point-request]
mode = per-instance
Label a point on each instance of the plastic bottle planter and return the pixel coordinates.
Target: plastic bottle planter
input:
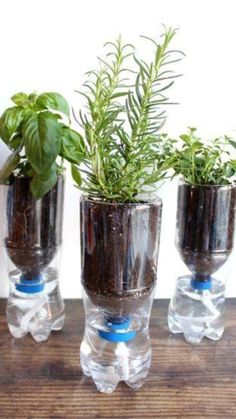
(119, 263)
(205, 231)
(33, 231)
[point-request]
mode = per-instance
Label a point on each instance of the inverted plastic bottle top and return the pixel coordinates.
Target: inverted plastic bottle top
(117, 330)
(201, 285)
(30, 286)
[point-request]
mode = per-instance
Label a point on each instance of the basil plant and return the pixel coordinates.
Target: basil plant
(38, 133)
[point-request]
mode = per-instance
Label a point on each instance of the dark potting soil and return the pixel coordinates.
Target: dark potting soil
(34, 227)
(205, 226)
(119, 244)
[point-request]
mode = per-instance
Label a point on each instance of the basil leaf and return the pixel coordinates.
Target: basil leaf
(76, 175)
(20, 98)
(4, 134)
(10, 122)
(42, 136)
(53, 101)
(41, 184)
(16, 141)
(73, 147)
(9, 166)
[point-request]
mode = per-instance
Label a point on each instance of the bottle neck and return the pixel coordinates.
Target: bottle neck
(117, 329)
(30, 286)
(201, 284)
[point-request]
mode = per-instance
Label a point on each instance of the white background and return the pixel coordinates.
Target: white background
(48, 45)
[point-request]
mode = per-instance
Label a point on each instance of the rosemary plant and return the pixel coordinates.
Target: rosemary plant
(205, 163)
(125, 155)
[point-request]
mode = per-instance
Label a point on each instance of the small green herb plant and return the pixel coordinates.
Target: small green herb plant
(204, 163)
(37, 131)
(125, 155)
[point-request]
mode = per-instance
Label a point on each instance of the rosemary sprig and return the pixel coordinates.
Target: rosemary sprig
(125, 155)
(104, 87)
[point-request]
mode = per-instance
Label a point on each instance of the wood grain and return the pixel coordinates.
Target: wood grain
(45, 381)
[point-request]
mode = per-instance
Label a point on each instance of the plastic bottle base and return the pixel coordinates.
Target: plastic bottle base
(106, 378)
(40, 337)
(58, 324)
(137, 382)
(195, 333)
(40, 334)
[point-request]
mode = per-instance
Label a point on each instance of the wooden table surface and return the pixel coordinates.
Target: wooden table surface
(44, 380)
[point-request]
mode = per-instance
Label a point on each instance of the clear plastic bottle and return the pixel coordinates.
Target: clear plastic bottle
(116, 348)
(204, 239)
(196, 310)
(119, 247)
(32, 241)
(34, 306)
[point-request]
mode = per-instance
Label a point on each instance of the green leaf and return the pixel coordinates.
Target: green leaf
(41, 184)
(26, 169)
(119, 94)
(9, 166)
(42, 136)
(10, 122)
(53, 101)
(232, 142)
(20, 98)
(16, 141)
(76, 175)
(119, 156)
(32, 96)
(4, 134)
(73, 147)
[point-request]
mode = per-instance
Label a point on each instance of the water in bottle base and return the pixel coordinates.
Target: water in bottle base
(38, 334)
(35, 306)
(116, 347)
(107, 377)
(196, 310)
(193, 333)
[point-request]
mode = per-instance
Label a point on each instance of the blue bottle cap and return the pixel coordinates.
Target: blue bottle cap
(117, 337)
(201, 285)
(30, 286)
(116, 325)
